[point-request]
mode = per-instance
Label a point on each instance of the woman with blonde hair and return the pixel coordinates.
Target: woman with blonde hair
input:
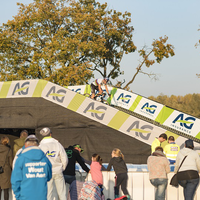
(119, 166)
(6, 163)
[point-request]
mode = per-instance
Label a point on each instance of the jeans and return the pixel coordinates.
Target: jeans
(69, 179)
(160, 184)
(189, 188)
(59, 181)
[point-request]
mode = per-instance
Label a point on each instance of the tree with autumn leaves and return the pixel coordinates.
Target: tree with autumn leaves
(65, 41)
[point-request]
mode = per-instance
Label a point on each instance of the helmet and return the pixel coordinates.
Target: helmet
(106, 78)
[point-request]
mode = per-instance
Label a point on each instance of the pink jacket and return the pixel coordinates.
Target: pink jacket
(95, 170)
(158, 167)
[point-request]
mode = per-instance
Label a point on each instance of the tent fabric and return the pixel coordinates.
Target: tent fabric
(70, 128)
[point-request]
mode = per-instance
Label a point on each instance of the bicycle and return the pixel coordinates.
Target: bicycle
(98, 97)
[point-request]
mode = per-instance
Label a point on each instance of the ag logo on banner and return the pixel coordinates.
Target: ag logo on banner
(57, 95)
(124, 98)
(187, 122)
(140, 131)
(97, 112)
(149, 108)
(21, 89)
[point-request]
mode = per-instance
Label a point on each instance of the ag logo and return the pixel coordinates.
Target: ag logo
(140, 131)
(98, 112)
(21, 90)
(51, 154)
(151, 109)
(185, 122)
(125, 98)
(77, 90)
(57, 95)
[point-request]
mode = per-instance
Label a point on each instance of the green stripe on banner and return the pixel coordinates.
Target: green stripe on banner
(198, 135)
(135, 103)
(164, 114)
(113, 91)
(118, 120)
(87, 90)
(39, 88)
(5, 89)
(76, 102)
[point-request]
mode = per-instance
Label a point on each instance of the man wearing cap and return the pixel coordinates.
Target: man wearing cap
(73, 153)
(58, 158)
(31, 173)
(188, 174)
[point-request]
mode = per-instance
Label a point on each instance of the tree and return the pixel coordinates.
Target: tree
(64, 41)
(189, 103)
(196, 45)
(37, 44)
(159, 50)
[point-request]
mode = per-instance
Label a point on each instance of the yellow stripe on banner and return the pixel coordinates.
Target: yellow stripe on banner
(198, 135)
(168, 133)
(76, 102)
(5, 89)
(135, 103)
(39, 88)
(118, 120)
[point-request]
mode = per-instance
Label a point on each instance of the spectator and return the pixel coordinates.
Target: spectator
(6, 162)
(171, 150)
(158, 167)
(31, 173)
(117, 161)
(58, 158)
(73, 153)
(19, 143)
(188, 174)
(13, 165)
(96, 171)
(157, 142)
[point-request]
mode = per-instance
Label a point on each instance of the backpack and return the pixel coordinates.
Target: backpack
(90, 191)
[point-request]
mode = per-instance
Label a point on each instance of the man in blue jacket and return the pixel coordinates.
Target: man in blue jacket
(31, 173)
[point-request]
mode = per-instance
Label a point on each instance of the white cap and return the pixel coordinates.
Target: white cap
(45, 131)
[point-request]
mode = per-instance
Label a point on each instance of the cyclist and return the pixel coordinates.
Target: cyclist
(96, 85)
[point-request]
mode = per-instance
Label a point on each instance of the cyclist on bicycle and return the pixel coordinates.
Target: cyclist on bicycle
(96, 85)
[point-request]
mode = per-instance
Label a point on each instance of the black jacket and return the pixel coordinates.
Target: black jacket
(73, 156)
(118, 164)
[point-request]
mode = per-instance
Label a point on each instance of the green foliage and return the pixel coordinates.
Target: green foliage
(160, 50)
(189, 103)
(64, 41)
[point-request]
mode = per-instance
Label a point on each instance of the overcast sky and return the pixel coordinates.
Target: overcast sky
(151, 19)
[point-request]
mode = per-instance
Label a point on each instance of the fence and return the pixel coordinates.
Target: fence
(139, 187)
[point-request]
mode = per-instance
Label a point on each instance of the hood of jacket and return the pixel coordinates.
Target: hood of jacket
(3, 148)
(185, 151)
(20, 141)
(117, 159)
(33, 153)
(158, 153)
